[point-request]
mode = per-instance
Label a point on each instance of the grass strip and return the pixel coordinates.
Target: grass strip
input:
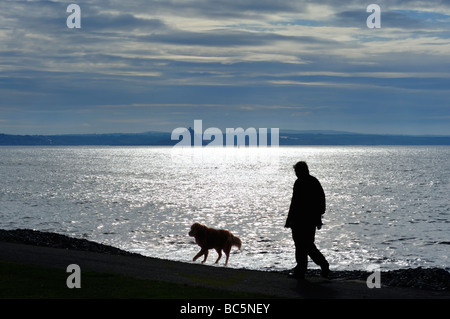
(22, 281)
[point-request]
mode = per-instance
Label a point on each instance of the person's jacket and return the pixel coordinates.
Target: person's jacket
(307, 204)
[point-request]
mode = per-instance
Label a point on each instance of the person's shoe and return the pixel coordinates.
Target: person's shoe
(296, 275)
(325, 271)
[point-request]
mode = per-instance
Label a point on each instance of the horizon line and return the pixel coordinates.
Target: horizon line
(284, 131)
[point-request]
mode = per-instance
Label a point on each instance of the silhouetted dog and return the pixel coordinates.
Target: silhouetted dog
(219, 239)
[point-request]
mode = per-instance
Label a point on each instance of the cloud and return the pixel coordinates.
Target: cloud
(231, 38)
(174, 59)
(120, 23)
(389, 19)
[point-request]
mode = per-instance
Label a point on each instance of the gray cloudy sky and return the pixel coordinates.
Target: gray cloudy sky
(137, 66)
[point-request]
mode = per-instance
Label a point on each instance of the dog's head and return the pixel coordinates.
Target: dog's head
(196, 229)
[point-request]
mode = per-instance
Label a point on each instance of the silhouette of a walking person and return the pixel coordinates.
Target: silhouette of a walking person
(305, 214)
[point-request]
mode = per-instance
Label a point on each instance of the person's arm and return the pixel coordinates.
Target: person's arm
(292, 207)
(321, 203)
(321, 198)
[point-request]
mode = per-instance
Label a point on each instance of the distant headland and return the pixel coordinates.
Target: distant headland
(286, 137)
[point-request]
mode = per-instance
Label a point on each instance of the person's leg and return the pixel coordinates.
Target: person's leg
(316, 256)
(301, 253)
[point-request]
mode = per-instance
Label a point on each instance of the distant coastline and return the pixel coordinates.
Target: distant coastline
(287, 137)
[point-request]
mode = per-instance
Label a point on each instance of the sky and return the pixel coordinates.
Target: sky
(137, 66)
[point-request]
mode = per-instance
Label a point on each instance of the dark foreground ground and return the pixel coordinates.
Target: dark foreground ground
(59, 251)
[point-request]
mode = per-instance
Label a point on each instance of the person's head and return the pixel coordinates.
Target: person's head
(301, 169)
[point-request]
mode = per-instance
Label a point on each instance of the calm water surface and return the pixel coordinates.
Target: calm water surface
(385, 205)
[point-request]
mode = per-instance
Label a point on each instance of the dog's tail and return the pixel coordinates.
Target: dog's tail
(235, 241)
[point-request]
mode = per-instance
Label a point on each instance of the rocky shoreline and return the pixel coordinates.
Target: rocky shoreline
(54, 240)
(422, 278)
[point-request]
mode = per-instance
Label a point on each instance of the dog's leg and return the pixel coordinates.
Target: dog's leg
(206, 255)
(226, 260)
(219, 252)
(227, 253)
(201, 252)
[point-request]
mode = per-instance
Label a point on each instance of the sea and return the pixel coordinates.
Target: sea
(387, 206)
